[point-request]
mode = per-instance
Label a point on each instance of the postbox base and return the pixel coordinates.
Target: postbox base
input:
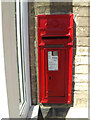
(59, 101)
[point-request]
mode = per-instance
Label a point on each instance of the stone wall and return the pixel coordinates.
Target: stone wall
(80, 51)
(33, 76)
(80, 63)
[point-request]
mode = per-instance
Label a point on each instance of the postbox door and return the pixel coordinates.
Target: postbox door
(55, 62)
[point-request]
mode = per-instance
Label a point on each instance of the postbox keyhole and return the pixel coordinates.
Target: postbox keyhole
(49, 77)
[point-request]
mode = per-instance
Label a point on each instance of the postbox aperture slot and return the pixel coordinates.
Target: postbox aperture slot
(55, 37)
(54, 46)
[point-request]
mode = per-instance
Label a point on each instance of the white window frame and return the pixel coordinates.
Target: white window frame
(24, 13)
(10, 59)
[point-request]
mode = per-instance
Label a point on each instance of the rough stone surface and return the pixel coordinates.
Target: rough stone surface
(53, 8)
(82, 21)
(81, 51)
(80, 78)
(80, 99)
(42, 10)
(80, 4)
(32, 53)
(40, 4)
(80, 69)
(82, 41)
(60, 4)
(80, 86)
(81, 11)
(80, 60)
(82, 32)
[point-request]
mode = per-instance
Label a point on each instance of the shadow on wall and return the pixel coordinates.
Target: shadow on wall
(33, 78)
(61, 8)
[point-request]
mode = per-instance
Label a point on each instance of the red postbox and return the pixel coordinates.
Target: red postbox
(55, 53)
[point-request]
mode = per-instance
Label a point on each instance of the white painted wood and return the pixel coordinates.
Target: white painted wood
(4, 113)
(9, 39)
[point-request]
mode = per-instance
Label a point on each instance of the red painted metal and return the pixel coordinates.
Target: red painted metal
(55, 33)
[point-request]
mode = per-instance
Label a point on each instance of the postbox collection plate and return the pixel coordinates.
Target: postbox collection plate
(55, 49)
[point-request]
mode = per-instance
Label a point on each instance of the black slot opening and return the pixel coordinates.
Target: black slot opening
(54, 46)
(56, 37)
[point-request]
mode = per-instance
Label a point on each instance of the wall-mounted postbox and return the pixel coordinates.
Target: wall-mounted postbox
(55, 51)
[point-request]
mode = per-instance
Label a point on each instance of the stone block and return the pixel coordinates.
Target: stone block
(80, 69)
(80, 78)
(80, 99)
(80, 4)
(81, 41)
(31, 11)
(64, 4)
(81, 50)
(38, 4)
(80, 87)
(42, 10)
(50, 4)
(80, 60)
(82, 32)
(82, 21)
(81, 11)
(60, 9)
(53, 9)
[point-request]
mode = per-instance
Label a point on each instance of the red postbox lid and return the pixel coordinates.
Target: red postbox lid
(55, 25)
